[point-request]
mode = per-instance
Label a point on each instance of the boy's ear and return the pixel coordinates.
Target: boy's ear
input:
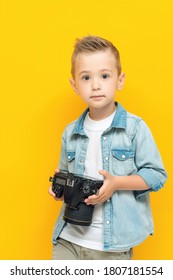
(121, 80)
(73, 84)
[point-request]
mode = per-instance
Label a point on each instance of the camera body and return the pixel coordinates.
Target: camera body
(75, 189)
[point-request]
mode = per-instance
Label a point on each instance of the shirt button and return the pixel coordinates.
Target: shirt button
(104, 138)
(108, 200)
(69, 157)
(107, 222)
(123, 156)
(106, 158)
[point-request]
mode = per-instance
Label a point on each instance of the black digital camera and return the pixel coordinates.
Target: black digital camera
(75, 189)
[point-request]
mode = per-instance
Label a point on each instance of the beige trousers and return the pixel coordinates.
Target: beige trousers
(65, 250)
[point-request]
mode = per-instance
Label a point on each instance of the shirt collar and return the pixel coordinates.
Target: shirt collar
(119, 120)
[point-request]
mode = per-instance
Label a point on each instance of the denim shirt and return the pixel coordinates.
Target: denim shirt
(127, 148)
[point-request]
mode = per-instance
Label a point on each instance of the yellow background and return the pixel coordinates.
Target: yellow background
(36, 42)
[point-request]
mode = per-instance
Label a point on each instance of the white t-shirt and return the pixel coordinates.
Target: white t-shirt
(91, 236)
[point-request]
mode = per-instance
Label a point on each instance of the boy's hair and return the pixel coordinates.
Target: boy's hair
(92, 44)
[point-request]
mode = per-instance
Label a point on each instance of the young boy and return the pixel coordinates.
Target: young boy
(110, 144)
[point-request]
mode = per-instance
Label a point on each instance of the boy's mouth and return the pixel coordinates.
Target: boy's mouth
(97, 96)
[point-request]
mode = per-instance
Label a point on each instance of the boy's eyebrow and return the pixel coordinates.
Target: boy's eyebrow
(102, 70)
(106, 70)
(83, 72)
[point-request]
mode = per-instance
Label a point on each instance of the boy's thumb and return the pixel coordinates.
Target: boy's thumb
(103, 172)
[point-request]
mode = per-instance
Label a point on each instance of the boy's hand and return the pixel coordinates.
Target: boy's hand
(105, 192)
(52, 193)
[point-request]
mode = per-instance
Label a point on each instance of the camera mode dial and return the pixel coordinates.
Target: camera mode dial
(86, 189)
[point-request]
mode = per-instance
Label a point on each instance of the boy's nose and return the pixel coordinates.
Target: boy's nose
(95, 85)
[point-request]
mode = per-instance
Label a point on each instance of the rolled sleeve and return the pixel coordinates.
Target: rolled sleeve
(151, 179)
(148, 160)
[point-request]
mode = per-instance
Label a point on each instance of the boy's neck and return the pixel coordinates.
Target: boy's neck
(100, 114)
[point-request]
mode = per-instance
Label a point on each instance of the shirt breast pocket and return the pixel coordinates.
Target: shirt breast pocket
(70, 157)
(123, 161)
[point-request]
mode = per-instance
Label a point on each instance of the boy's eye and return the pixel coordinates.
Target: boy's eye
(105, 76)
(86, 78)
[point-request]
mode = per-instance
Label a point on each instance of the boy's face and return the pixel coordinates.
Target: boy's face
(96, 79)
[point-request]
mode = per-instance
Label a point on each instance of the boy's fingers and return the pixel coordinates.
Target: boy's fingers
(57, 170)
(104, 173)
(51, 192)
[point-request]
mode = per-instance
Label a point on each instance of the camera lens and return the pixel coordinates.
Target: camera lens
(81, 215)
